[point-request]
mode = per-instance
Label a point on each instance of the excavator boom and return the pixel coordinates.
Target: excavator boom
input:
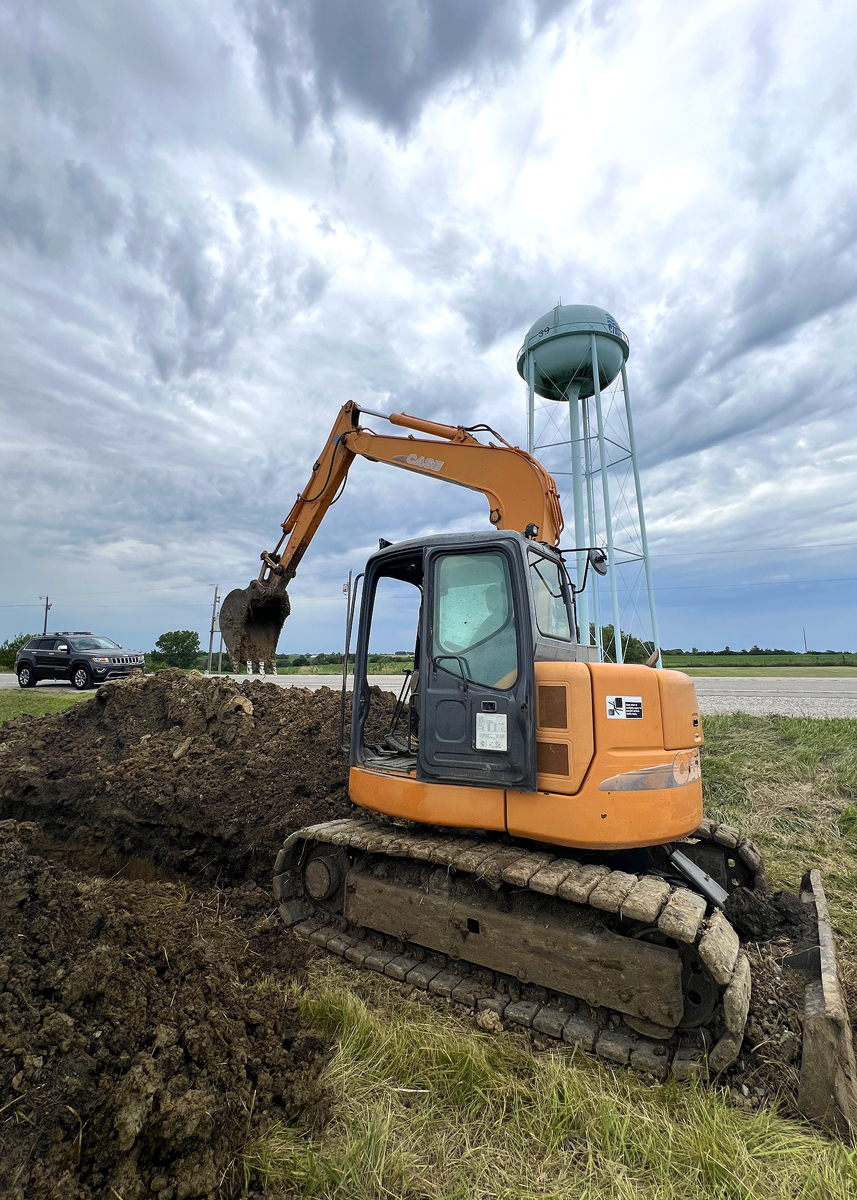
(521, 495)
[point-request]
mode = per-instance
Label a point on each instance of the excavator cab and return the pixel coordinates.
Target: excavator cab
(491, 604)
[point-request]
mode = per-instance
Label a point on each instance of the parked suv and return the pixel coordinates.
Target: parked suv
(81, 657)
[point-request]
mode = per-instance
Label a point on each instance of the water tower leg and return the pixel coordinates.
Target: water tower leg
(644, 540)
(579, 517)
(605, 496)
(531, 405)
(592, 536)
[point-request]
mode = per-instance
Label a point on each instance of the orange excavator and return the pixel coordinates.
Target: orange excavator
(532, 843)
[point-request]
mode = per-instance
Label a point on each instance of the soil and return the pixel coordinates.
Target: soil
(146, 1036)
(138, 1052)
(200, 776)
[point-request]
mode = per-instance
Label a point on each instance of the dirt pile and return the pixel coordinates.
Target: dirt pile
(144, 1037)
(200, 776)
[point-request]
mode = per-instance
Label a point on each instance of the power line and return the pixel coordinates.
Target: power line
(694, 587)
(751, 547)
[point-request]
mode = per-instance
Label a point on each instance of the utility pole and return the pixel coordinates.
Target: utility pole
(213, 622)
(48, 607)
(346, 591)
(220, 656)
(804, 640)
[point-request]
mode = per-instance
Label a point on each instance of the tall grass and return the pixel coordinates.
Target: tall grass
(791, 782)
(427, 1107)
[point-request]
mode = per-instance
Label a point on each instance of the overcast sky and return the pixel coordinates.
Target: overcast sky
(221, 220)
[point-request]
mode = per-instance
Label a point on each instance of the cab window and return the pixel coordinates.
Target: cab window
(473, 631)
(549, 597)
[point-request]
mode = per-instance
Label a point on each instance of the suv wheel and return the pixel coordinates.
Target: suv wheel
(80, 677)
(26, 676)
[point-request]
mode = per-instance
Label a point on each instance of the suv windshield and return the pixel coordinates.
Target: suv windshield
(95, 643)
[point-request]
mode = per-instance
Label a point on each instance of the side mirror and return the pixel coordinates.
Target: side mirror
(598, 561)
(62, 649)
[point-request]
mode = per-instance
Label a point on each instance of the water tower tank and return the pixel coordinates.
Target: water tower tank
(558, 348)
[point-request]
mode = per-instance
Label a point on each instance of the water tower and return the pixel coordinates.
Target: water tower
(572, 354)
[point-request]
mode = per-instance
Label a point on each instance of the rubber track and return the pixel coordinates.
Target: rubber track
(677, 911)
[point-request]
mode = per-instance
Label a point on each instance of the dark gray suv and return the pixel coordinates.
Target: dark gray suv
(83, 658)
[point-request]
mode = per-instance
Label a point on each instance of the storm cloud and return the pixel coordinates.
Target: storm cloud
(219, 221)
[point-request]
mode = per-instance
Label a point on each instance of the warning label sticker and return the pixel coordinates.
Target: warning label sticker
(491, 731)
(625, 708)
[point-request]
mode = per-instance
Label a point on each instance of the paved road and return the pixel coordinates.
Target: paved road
(810, 697)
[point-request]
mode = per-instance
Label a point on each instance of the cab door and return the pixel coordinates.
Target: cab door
(476, 681)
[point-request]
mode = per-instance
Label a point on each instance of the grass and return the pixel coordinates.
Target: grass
(35, 701)
(426, 1107)
(728, 672)
(791, 783)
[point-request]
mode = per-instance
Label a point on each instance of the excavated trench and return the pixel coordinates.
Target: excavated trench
(138, 1052)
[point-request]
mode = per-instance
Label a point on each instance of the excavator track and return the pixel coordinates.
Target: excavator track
(636, 968)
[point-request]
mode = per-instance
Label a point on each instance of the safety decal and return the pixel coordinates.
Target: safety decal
(625, 708)
(491, 731)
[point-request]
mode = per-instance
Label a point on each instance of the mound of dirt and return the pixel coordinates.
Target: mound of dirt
(198, 775)
(144, 1040)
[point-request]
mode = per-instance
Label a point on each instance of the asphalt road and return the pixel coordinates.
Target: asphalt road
(810, 697)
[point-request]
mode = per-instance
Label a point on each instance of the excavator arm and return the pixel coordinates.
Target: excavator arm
(521, 495)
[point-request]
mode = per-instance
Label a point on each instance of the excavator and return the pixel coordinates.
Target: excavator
(531, 842)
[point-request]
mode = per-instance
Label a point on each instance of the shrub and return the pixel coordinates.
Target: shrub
(176, 649)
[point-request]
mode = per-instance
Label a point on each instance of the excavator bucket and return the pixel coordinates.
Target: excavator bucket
(251, 620)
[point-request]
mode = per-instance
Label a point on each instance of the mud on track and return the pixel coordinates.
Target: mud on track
(143, 1039)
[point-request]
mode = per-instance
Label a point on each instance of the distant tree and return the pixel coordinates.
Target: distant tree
(177, 649)
(633, 649)
(10, 648)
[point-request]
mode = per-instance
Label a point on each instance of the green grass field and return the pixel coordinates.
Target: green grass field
(36, 702)
(769, 672)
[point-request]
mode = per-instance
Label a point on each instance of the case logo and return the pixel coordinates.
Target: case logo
(420, 461)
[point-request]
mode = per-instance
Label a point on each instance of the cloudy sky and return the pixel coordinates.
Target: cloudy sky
(221, 219)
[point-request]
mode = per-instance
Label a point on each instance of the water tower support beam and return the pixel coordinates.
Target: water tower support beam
(605, 497)
(644, 540)
(572, 396)
(593, 528)
(531, 405)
